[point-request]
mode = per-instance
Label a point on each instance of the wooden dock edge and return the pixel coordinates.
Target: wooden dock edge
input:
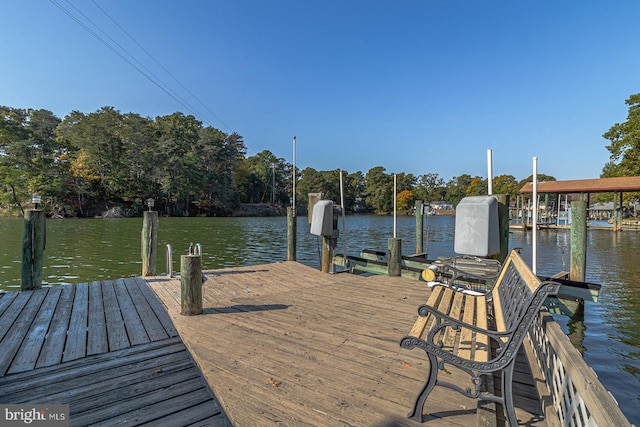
(574, 391)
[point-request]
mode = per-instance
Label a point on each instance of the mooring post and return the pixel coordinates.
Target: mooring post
(394, 258)
(329, 243)
(149, 243)
(326, 254)
(190, 285)
(33, 243)
(578, 267)
(291, 233)
(419, 227)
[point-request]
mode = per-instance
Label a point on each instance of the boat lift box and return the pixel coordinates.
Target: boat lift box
(477, 226)
(324, 219)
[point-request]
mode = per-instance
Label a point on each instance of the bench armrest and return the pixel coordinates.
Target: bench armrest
(458, 274)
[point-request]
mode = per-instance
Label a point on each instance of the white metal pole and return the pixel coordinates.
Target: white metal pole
(293, 199)
(534, 225)
(394, 205)
(490, 172)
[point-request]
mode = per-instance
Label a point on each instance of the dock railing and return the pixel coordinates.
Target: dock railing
(577, 397)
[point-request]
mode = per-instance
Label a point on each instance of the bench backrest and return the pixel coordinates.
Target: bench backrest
(513, 292)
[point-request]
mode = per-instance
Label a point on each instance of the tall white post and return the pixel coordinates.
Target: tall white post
(394, 205)
(490, 172)
(534, 225)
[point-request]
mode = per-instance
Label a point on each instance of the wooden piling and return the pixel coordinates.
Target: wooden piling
(33, 243)
(291, 234)
(578, 266)
(149, 243)
(329, 243)
(394, 258)
(326, 254)
(419, 227)
(190, 285)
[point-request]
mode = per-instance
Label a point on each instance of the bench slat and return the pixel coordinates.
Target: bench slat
(420, 325)
(481, 348)
(464, 348)
(450, 334)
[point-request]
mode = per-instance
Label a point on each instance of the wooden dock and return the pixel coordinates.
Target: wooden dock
(286, 344)
(108, 349)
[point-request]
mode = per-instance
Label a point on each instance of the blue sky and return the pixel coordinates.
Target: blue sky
(413, 86)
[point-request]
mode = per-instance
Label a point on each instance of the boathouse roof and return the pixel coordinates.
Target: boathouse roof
(599, 185)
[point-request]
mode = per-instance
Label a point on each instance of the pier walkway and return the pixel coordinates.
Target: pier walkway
(285, 344)
(278, 343)
(108, 349)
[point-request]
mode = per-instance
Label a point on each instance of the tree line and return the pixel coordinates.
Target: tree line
(88, 163)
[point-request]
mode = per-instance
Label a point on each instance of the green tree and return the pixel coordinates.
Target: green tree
(379, 190)
(456, 188)
(404, 200)
(176, 136)
(477, 187)
(506, 184)
(625, 142)
(429, 187)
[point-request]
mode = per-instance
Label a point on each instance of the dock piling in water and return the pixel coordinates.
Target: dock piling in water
(149, 243)
(33, 243)
(291, 233)
(578, 265)
(419, 226)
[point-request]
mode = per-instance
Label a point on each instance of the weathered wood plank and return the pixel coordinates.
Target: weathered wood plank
(96, 379)
(12, 340)
(145, 407)
(6, 298)
(149, 318)
(11, 313)
(132, 322)
(116, 331)
(197, 415)
(97, 329)
(53, 346)
(157, 306)
(76, 344)
(27, 355)
(88, 365)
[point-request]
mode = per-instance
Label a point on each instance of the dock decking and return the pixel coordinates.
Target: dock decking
(279, 343)
(286, 344)
(108, 349)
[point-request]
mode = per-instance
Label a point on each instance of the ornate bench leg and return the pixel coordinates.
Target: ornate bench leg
(507, 393)
(430, 383)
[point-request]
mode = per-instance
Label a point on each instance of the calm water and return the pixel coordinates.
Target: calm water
(609, 336)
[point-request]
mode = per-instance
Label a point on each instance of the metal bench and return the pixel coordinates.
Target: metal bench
(478, 333)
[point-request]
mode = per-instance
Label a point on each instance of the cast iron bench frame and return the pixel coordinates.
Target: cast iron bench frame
(452, 328)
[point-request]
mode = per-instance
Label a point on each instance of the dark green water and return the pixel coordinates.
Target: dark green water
(609, 335)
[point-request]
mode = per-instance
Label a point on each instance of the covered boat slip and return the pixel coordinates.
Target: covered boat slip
(285, 343)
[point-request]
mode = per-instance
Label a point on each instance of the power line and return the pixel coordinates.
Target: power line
(160, 65)
(148, 74)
